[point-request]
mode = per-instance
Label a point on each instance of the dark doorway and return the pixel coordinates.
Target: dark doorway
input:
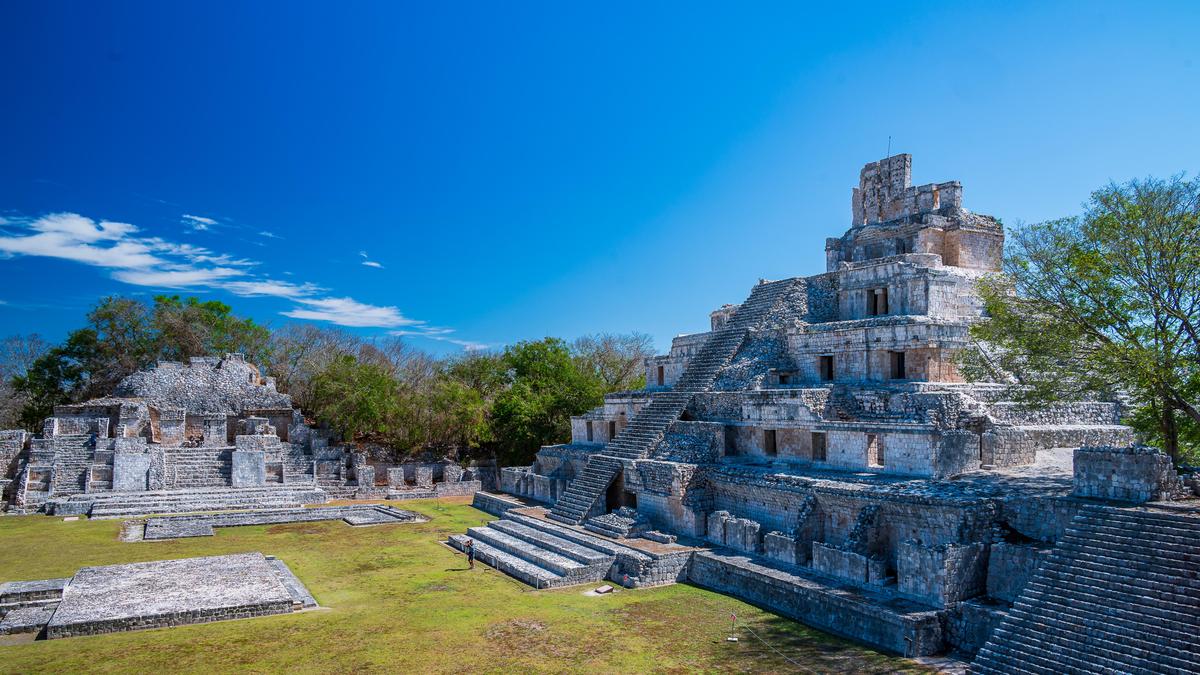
(825, 367)
(769, 443)
(661, 379)
(617, 496)
(898, 366)
(819, 451)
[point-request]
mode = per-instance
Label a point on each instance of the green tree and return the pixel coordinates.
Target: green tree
(61, 375)
(546, 387)
(618, 361)
(183, 328)
(356, 399)
(1105, 303)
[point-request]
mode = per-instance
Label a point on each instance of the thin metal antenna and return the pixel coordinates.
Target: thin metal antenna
(889, 152)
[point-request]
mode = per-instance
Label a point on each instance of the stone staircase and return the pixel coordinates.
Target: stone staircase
(1120, 593)
(199, 467)
(297, 467)
(125, 504)
(534, 555)
(585, 494)
(72, 462)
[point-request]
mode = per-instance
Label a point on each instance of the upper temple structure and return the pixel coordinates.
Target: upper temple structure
(819, 453)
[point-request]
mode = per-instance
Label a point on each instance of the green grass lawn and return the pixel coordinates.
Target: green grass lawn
(397, 600)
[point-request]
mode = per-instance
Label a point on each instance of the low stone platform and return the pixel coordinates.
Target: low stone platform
(879, 619)
(135, 596)
(195, 500)
(29, 619)
(178, 527)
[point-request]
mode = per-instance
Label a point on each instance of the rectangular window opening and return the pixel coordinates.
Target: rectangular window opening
(874, 450)
(589, 431)
(898, 370)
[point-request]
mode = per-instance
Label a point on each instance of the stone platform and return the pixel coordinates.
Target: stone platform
(135, 596)
(177, 527)
(193, 500)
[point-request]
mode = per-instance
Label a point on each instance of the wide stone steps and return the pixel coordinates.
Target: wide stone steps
(538, 577)
(1105, 648)
(1110, 634)
(1119, 594)
(531, 552)
(1081, 597)
(565, 547)
(123, 504)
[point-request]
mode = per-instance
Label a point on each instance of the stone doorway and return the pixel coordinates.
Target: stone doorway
(617, 496)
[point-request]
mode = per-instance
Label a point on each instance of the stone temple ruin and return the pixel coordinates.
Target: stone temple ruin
(212, 434)
(817, 452)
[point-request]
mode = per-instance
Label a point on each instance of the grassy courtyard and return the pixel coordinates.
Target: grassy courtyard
(397, 600)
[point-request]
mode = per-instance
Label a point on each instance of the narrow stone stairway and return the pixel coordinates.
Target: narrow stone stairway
(585, 495)
(73, 455)
(1120, 593)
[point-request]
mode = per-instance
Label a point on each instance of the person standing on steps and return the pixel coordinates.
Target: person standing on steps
(471, 553)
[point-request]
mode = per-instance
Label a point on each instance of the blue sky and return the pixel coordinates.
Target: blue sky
(473, 174)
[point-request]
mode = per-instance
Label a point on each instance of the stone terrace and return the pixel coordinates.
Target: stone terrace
(117, 598)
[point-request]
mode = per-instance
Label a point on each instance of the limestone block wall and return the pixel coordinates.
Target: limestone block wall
(523, 482)
(791, 443)
(906, 285)
(1043, 518)
(941, 576)
(596, 428)
(1135, 473)
(903, 449)
(856, 568)
(974, 248)
(1073, 413)
(12, 444)
(861, 349)
(1010, 567)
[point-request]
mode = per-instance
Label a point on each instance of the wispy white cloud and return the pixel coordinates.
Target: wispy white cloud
(349, 312)
(440, 335)
(368, 262)
(176, 278)
(197, 223)
(139, 260)
(269, 235)
(271, 288)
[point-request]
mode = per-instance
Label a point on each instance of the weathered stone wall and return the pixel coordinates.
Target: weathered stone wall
(856, 568)
(1010, 567)
(941, 576)
(1132, 474)
(970, 623)
(912, 633)
(205, 385)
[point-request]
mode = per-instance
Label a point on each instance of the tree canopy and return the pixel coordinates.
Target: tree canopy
(1105, 303)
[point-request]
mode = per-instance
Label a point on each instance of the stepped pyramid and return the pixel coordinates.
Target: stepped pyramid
(586, 493)
(1119, 594)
